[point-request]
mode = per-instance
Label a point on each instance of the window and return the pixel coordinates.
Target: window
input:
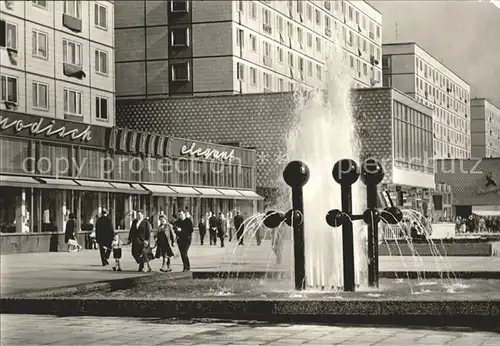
(40, 3)
(240, 6)
(253, 11)
(179, 37)
(357, 17)
(72, 53)
(240, 38)
(72, 102)
(281, 85)
(240, 70)
(300, 36)
(301, 64)
(318, 44)
(378, 31)
(101, 62)
(73, 9)
(9, 89)
(253, 40)
(310, 68)
(10, 39)
(40, 45)
(280, 55)
(179, 6)
(300, 7)
(101, 108)
(318, 17)
(290, 59)
(386, 62)
(267, 49)
(309, 13)
(290, 29)
(350, 13)
(253, 75)
(101, 16)
(40, 95)
(309, 40)
(318, 72)
(280, 25)
(266, 16)
(267, 81)
(180, 72)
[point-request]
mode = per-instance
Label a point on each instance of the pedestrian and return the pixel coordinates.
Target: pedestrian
(212, 222)
(220, 229)
(116, 245)
(202, 229)
(104, 231)
(184, 231)
(70, 234)
(239, 226)
(165, 241)
(139, 235)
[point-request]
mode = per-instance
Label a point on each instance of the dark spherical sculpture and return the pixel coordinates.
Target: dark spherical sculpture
(371, 216)
(372, 172)
(273, 219)
(334, 218)
(296, 174)
(345, 172)
(294, 218)
(392, 215)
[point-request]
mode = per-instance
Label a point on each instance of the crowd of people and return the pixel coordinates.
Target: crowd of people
(477, 224)
(171, 239)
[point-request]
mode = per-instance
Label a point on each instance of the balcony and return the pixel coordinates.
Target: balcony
(267, 28)
(72, 23)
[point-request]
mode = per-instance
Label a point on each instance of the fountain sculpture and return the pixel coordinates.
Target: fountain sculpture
(345, 172)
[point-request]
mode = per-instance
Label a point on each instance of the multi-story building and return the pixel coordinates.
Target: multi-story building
(166, 48)
(57, 59)
(409, 68)
(485, 128)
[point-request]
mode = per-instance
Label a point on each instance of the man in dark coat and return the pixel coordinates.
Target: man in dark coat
(184, 231)
(212, 223)
(140, 232)
(239, 226)
(104, 231)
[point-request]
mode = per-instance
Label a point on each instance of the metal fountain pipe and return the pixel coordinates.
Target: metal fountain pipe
(296, 175)
(346, 172)
(372, 173)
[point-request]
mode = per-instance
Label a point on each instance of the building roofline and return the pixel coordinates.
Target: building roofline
(373, 7)
(182, 97)
(484, 99)
(416, 44)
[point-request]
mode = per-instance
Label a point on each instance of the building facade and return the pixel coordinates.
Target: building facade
(166, 48)
(57, 60)
(51, 168)
(475, 184)
(485, 128)
(409, 68)
(393, 127)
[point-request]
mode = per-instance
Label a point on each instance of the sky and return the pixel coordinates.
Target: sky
(464, 35)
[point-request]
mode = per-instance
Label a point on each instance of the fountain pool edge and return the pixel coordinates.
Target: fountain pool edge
(478, 313)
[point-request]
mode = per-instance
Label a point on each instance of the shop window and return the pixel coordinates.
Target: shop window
(54, 160)
(15, 156)
(127, 168)
(92, 164)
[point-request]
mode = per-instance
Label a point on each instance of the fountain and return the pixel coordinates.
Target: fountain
(345, 172)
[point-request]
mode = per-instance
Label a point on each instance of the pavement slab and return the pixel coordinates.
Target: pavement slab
(53, 330)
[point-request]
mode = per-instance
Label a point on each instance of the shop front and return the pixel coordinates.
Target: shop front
(51, 168)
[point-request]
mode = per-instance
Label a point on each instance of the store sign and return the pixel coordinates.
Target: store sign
(24, 125)
(48, 129)
(207, 153)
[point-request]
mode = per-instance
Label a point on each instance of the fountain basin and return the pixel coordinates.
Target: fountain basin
(471, 302)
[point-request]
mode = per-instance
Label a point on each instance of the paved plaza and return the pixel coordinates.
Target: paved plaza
(49, 330)
(46, 270)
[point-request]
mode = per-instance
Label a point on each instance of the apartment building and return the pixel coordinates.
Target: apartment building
(166, 48)
(485, 128)
(57, 60)
(411, 69)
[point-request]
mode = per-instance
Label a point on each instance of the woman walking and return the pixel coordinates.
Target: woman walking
(165, 241)
(70, 234)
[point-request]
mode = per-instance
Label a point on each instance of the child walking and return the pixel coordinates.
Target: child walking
(116, 245)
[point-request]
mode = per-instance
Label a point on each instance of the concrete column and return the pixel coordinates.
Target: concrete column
(20, 210)
(112, 203)
(78, 211)
(31, 211)
(60, 217)
(39, 211)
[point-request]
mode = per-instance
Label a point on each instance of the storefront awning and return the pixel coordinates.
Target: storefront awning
(60, 184)
(159, 190)
(231, 193)
(185, 191)
(15, 181)
(250, 194)
(92, 185)
(131, 189)
(209, 193)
